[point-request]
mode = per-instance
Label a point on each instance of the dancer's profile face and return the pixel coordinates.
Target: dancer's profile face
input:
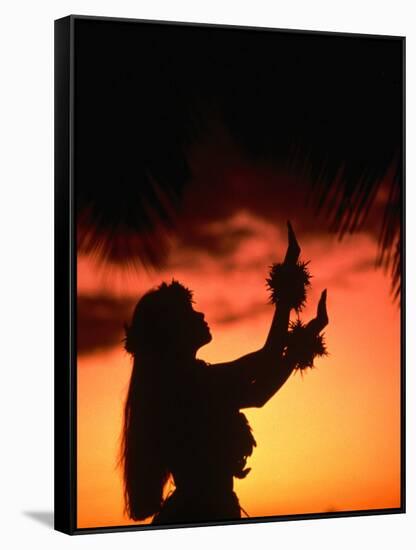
(193, 326)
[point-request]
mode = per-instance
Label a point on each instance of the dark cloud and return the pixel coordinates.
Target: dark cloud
(100, 322)
(362, 266)
(224, 183)
(211, 121)
(218, 241)
(231, 315)
(101, 319)
(222, 188)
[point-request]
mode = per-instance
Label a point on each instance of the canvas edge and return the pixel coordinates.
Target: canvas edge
(65, 290)
(64, 350)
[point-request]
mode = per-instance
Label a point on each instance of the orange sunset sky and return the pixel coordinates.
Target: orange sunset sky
(327, 441)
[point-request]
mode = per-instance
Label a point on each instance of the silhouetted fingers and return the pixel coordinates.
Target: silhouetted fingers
(318, 323)
(293, 248)
(322, 314)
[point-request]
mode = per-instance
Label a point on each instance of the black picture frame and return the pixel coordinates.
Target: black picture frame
(65, 382)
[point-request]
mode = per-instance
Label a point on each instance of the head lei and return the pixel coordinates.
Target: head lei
(174, 292)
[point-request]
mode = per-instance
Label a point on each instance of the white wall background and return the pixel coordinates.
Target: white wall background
(26, 289)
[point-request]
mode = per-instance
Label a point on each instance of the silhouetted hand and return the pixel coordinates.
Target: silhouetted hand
(293, 248)
(321, 320)
(321, 314)
(288, 281)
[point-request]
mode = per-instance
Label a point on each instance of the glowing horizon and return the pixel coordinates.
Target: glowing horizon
(329, 441)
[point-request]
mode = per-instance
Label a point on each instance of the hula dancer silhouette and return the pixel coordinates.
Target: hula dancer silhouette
(182, 417)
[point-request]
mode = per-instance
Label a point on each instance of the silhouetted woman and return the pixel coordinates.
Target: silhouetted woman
(182, 417)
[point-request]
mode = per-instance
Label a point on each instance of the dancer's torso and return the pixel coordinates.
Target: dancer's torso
(206, 442)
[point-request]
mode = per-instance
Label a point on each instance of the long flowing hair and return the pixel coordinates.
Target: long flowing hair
(143, 453)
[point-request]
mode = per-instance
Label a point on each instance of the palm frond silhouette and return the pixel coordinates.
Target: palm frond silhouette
(329, 109)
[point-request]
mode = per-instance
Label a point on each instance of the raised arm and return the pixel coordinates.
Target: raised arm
(288, 362)
(252, 379)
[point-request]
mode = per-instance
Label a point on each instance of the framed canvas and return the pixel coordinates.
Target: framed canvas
(229, 260)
